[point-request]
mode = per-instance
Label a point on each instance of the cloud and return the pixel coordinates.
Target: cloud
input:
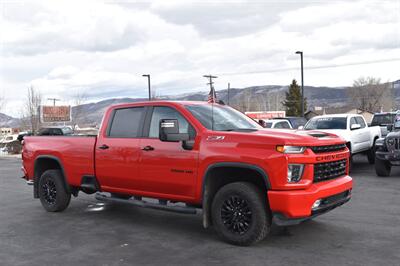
(105, 47)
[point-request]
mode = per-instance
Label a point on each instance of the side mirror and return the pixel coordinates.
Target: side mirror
(355, 126)
(169, 131)
(301, 127)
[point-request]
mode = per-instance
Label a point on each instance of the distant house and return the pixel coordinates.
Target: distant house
(339, 110)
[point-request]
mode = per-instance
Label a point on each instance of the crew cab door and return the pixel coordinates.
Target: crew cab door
(364, 133)
(166, 168)
(117, 152)
(360, 136)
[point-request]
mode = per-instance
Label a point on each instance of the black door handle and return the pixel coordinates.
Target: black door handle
(104, 147)
(148, 148)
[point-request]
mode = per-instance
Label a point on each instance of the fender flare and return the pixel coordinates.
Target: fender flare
(205, 196)
(37, 178)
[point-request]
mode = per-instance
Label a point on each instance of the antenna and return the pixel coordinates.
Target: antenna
(54, 100)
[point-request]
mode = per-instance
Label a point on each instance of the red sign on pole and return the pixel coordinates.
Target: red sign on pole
(55, 114)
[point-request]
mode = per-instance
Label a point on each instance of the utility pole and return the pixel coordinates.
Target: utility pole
(302, 83)
(148, 82)
(54, 100)
(210, 77)
(229, 87)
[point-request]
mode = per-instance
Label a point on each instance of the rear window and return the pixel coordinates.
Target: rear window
(126, 123)
(327, 123)
(383, 119)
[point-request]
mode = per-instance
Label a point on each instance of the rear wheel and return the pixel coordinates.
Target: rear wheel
(240, 214)
(52, 192)
(382, 168)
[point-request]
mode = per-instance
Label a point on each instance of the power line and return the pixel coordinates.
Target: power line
(310, 67)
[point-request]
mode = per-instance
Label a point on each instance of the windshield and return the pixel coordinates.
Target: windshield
(327, 123)
(382, 119)
(225, 118)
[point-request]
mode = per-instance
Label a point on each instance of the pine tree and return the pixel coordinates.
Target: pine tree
(292, 102)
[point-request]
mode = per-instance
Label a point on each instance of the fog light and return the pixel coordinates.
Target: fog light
(295, 171)
(316, 204)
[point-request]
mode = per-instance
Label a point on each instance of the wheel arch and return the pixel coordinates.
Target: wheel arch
(44, 163)
(222, 173)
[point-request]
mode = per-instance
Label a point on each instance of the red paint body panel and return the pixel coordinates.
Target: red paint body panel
(126, 168)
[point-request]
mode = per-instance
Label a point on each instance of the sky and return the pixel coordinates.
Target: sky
(102, 48)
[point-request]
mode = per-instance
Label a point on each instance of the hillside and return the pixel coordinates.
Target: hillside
(254, 98)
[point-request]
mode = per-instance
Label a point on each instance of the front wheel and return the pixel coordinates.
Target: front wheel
(240, 214)
(52, 192)
(382, 168)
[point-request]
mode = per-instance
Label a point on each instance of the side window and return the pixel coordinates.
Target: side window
(285, 125)
(126, 123)
(360, 121)
(352, 121)
(278, 125)
(163, 112)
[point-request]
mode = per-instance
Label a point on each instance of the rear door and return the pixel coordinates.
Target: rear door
(117, 153)
(166, 168)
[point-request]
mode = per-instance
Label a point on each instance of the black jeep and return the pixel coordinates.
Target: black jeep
(388, 151)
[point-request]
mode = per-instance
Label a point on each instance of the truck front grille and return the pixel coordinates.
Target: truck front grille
(330, 170)
(330, 148)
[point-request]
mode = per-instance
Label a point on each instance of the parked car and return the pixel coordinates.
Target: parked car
(294, 121)
(277, 123)
(359, 137)
(388, 150)
(55, 131)
(209, 156)
(384, 120)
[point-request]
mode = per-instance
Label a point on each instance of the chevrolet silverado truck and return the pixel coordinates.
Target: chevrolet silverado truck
(186, 156)
(359, 137)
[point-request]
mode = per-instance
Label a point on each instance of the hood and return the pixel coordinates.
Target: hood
(294, 137)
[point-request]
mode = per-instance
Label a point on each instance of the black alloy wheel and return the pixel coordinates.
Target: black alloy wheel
(236, 215)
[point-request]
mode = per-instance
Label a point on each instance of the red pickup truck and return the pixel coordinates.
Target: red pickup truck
(195, 155)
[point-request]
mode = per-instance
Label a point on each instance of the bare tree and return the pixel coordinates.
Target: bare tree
(31, 109)
(77, 113)
(370, 94)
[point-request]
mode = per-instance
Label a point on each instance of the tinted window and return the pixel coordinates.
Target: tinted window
(360, 121)
(285, 125)
(279, 125)
(327, 123)
(268, 125)
(222, 118)
(382, 119)
(162, 112)
(126, 123)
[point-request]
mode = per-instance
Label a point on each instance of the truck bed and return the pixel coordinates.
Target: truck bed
(75, 153)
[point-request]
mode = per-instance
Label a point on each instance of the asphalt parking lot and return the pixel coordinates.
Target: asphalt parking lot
(366, 231)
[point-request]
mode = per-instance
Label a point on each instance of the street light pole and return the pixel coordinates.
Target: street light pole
(148, 82)
(302, 83)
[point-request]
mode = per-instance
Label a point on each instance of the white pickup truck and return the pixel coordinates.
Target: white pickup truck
(359, 137)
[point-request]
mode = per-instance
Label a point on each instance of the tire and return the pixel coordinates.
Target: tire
(52, 192)
(382, 168)
(248, 229)
(371, 154)
(120, 196)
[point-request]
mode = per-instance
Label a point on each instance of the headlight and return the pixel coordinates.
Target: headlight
(295, 172)
(290, 149)
(390, 142)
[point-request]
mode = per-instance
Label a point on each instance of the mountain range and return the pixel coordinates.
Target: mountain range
(268, 97)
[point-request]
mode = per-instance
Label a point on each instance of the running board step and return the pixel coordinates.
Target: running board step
(145, 204)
